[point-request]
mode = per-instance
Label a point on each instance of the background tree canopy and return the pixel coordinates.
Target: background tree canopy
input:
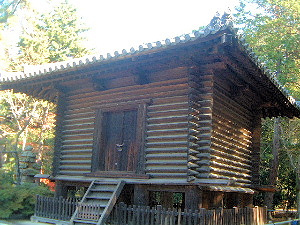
(271, 27)
(8, 8)
(25, 121)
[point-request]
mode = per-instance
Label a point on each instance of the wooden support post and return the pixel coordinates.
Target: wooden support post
(245, 200)
(167, 199)
(231, 199)
(256, 135)
(240, 200)
(193, 198)
(248, 200)
(141, 195)
(60, 110)
(60, 189)
(217, 201)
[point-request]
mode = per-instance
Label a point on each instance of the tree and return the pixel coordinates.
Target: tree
(272, 30)
(8, 8)
(25, 121)
(291, 145)
(52, 37)
(271, 27)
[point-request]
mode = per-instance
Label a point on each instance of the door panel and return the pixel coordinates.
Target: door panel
(128, 154)
(119, 140)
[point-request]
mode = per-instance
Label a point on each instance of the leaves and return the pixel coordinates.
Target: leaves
(27, 121)
(271, 27)
(7, 9)
(55, 36)
(18, 200)
(51, 37)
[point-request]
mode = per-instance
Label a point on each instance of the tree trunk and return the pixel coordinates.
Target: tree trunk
(274, 162)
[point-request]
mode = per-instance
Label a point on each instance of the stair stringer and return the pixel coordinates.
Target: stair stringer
(82, 200)
(111, 203)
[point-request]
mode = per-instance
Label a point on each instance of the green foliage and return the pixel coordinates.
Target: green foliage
(26, 121)
(52, 37)
(7, 9)
(18, 200)
(271, 27)
(285, 197)
(63, 30)
(286, 183)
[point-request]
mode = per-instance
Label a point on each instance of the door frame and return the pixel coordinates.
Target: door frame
(98, 165)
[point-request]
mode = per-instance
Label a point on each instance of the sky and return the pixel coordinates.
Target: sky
(121, 24)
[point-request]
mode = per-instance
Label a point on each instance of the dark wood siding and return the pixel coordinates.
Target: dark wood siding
(231, 140)
(166, 130)
(200, 123)
(220, 130)
(166, 151)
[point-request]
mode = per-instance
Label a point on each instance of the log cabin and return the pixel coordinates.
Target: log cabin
(175, 117)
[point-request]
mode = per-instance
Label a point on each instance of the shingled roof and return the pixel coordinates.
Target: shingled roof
(217, 24)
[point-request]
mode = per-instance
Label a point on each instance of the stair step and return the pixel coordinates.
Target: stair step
(102, 190)
(106, 182)
(89, 201)
(85, 221)
(96, 199)
(99, 197)
(100, 194)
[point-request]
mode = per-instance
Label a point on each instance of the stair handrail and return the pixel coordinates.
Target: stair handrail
(111, 203)
(82, 200)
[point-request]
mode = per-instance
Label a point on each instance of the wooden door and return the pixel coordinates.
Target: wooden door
(118, 142)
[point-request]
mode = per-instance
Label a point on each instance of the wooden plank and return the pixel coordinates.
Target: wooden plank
(232, 116)
(164, 155)
(232, 144)
(111, 203)
(132, 90)
(61, 106)
(124, 97)
(140, 137)
(223, 152)
(174, 112)
(175, 144)
(165, 150)
(87, 93)
(169, 101)
(255, 147)
(226, 126)
(166, 125)
(166, 132)
(168, 106)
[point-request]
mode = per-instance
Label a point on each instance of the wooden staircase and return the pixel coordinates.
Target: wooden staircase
(97, 203)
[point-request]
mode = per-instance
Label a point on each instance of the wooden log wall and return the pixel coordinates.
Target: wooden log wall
(220, 137)
(231, 141)
(167, 122)
(200, 123)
